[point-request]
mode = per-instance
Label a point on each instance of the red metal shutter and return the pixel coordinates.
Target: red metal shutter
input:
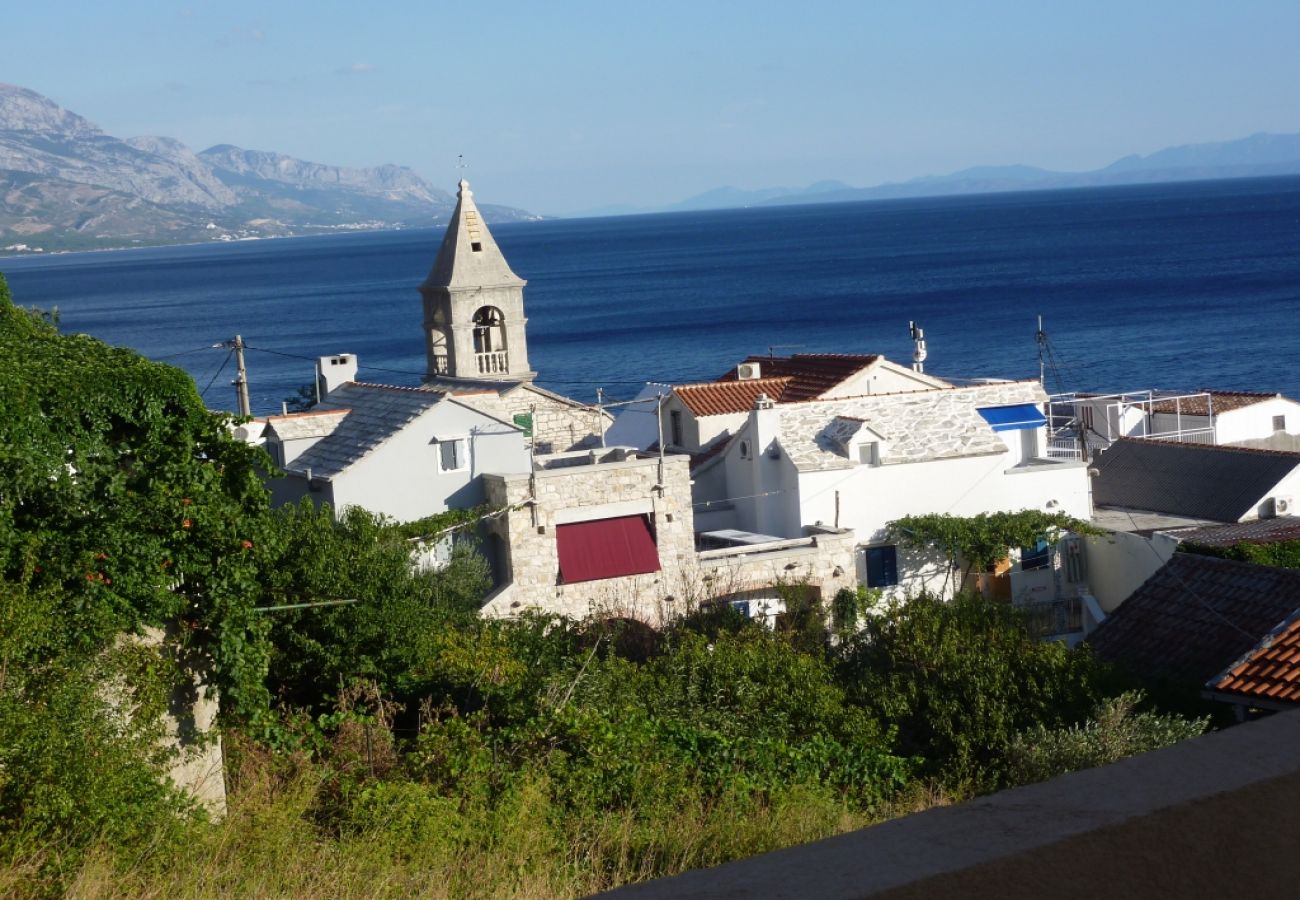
(606, 548)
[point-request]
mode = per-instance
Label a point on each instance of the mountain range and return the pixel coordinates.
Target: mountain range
(1259, 155)
(66, 184)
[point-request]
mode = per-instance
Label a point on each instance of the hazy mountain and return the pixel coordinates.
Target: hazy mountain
(65, 183)
(1255, 156)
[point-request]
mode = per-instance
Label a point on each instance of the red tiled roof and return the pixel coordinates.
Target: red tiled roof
(1218, 401)
(1194, 616)
(716, 398)
(811, 374)
(1271, 671)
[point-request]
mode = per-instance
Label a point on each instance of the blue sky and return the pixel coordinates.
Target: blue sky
(563, 106)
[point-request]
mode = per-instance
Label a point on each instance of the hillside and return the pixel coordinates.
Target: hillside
(67, 184)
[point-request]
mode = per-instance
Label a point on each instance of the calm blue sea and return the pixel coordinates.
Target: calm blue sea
(1176, 286)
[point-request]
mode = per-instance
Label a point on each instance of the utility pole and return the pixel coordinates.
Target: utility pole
(241, 378)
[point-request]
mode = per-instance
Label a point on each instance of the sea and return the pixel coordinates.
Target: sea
(1176, 286)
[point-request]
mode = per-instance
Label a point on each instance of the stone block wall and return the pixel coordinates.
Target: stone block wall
(581, 493)
(558, 427)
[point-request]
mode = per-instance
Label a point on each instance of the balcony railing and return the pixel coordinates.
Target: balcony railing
(494, 362)
(441, 366)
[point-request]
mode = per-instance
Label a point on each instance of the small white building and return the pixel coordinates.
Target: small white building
(859, 463)
(404, 452)
(1242, 418)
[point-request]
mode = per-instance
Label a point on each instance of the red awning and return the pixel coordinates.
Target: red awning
(606, 548)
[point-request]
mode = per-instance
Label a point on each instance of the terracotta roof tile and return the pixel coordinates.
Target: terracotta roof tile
(812, 374)
(1216, 401)
(1268, 669)
(1196, 615)
(716, 398)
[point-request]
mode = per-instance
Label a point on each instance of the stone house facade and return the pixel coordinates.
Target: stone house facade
(599, 495)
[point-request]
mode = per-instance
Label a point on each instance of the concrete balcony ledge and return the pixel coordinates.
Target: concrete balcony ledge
(1217, 816)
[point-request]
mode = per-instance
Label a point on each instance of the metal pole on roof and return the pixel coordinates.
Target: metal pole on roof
(600, 412)
(659, 417)
(1041, 337)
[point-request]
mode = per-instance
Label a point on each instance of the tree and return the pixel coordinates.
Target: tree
(980, 541)
(1116, 730)
(960, 679)
(127, 501)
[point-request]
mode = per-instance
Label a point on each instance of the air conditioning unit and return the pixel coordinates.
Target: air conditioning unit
(748, 371)
(1282, 506)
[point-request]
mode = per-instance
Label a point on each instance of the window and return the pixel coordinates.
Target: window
(453, 455)
(746, 452)
(1279, 423)
(675, 417)
(1038, 556)
(476, 247)
(882, 566)
(869, 453)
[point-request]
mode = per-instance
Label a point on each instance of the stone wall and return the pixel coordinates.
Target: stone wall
(558, 426)
(567, 490)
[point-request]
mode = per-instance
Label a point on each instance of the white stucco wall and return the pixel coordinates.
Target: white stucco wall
(1119, 562)
(1288, 487)
(871, 496)
(400, 477)
(883, 378)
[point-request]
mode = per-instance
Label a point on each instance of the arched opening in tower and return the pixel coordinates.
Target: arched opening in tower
(490, 341)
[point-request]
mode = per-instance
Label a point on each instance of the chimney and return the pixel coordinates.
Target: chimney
(332, 371)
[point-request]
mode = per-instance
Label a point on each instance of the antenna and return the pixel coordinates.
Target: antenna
(1041, 337)
(919, 353)
(772, 348)
(461, 165)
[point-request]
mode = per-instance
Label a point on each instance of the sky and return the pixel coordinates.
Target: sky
(559, 107)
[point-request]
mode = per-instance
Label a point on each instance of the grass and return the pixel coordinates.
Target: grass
(272, 843)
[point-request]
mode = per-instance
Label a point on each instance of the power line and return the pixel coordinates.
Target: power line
(185, 352)
(216, 375)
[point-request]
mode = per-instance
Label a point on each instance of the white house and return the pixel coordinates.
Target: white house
(404, 452)
(1244, 418)
(861, 462)
(696, 416)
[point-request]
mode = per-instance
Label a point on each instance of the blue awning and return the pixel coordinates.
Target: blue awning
(1014, 418)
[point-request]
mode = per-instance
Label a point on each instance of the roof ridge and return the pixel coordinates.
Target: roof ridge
(394, 387)
(306, 412)
(727, 385)
(1236, 393)
(1226, 448)
(928, 390)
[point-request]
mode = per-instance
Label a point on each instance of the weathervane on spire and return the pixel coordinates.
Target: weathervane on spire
(461, 166)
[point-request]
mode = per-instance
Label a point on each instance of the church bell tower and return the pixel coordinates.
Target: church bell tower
(474, 304)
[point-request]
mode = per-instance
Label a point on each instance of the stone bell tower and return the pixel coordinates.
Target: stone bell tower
(474, 305)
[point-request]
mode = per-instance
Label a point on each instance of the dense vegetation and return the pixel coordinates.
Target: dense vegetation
(1279, 554)
(399, 744)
